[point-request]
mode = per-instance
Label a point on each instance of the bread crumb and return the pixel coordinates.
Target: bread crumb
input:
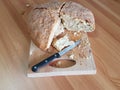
(75, 33)
(59, 62)
(71, 56)
(79, 46)
(27, 5)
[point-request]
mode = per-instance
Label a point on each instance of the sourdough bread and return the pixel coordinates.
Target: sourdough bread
(59, 24)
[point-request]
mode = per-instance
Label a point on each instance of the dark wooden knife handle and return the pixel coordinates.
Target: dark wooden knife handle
(45, 62)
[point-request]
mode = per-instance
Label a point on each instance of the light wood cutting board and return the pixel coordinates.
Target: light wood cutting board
(65, 65)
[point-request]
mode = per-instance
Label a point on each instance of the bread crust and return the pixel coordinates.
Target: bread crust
(42, 22)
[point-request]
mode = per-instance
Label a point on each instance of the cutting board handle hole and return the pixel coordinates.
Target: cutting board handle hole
(63, 63)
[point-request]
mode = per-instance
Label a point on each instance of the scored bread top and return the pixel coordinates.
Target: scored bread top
(53, 6)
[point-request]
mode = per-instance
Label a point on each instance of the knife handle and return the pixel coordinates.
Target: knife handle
(45, 62)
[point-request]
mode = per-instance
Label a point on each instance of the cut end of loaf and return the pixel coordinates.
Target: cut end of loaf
(62, 43)
(76, 24)
(56, 30)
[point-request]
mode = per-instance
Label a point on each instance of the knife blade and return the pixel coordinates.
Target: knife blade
(56, 55)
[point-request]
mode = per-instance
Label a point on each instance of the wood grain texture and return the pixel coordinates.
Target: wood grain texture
(14, 48)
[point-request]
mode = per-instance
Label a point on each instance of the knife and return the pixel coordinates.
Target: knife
(56, 55)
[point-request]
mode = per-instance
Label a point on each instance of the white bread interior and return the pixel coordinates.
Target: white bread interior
(53, 32)
(75, 24)
(61, 43)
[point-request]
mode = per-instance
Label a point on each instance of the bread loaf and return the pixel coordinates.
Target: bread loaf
(44, 24)
(59, 24)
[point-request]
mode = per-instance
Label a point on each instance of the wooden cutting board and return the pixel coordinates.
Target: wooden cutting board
(65, 65)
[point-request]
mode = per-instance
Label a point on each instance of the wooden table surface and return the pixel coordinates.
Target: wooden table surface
(14, 48)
